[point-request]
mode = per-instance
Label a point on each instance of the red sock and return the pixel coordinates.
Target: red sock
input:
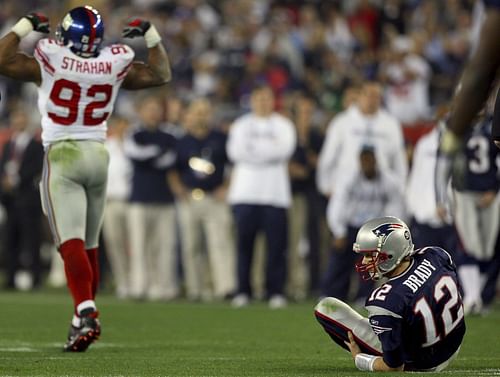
(78, 270)
(94, 264)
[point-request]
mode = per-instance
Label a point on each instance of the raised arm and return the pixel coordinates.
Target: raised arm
(156, 71)
(15, 64)
(475, 83)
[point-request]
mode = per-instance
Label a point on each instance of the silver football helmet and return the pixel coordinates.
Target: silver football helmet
(387, 240)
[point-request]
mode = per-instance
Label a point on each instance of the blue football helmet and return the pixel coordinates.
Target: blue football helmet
(82, 30)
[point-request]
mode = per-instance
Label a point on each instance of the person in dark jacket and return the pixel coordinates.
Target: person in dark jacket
(20, 170)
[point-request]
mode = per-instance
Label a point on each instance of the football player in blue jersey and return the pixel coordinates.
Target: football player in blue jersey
(476, 82)
(416, 318)
(476, 211)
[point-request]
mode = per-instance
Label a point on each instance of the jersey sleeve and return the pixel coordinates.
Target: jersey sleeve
(44, 51)
(386, 314)
(492, 3)
(124, 57)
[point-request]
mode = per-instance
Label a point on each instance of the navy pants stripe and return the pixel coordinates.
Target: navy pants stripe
(273, 221)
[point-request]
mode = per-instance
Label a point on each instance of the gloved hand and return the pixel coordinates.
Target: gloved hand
(39, 21)
(33, 21)
(136, 27)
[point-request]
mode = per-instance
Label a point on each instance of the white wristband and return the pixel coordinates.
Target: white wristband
(23, 27)
(152, 37)
(364, 361)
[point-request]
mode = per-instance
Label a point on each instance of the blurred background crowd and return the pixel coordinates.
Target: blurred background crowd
(359, 81)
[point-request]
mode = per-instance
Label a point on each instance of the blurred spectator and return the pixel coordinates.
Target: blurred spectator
(394, 16)
(151, 223)
(362, 195)
(363, 123)
(338, 36)
(407, 76)
(427, 227)
(275, 41)
(199, 184)
(260, 145)
(174, 111)
(363, 23)
(477, 210)
(115, 227)
(302, 169)
(327, 158)
(20, 172)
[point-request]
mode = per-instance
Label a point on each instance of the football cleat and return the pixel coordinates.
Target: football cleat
(80, 338)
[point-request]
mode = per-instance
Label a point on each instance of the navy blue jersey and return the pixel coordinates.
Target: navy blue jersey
(201, 162)
(154, 154)
(418, 315)
(481, 170)
(492, 3)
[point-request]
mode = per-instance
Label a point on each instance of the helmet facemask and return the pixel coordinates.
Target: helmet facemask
(371, 270)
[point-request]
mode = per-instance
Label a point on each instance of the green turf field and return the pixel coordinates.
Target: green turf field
(186, 339)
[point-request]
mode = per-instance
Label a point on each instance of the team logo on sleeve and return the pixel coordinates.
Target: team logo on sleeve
(379, 329)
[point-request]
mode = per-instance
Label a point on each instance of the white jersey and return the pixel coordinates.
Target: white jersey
(77, 94)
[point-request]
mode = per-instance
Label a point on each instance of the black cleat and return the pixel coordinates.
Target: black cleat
(80, 338)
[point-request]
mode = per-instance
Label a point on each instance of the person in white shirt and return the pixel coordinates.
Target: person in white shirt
(371, 192)
(364, 122)
(260, 145)
(407, 76)
(427, 226)
(115, 229)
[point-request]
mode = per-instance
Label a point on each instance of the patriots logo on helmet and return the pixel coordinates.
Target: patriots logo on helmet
(385, 229)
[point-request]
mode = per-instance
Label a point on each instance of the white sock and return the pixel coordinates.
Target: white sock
(76, 321)
(87, 304)
(470, 278)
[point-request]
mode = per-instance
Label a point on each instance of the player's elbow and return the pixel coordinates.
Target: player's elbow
(161, 79)
(5, 60)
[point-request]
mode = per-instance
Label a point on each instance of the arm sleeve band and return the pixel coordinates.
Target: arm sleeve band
(22, 28)
(152, 37)
(364, 361)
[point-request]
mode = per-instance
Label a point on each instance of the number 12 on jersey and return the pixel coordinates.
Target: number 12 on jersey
(450, 316)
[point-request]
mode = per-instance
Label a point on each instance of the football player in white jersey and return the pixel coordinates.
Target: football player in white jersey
(77, 85)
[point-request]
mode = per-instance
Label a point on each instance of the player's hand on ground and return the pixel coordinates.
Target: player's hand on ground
(136, 27)
(353, 346)
(39, 21)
